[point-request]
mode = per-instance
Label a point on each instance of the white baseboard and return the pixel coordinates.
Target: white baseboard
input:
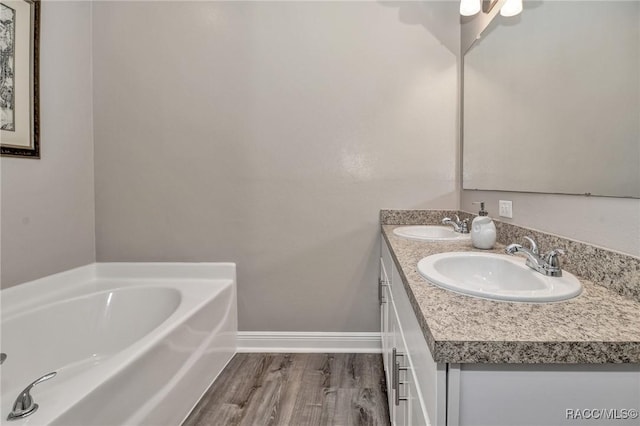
(308, 342)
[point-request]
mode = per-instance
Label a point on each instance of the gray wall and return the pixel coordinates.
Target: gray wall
(48, 204)
(612, 223)
(270, 134)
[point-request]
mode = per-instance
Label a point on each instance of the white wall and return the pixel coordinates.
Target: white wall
(48, 204)
(270, 134)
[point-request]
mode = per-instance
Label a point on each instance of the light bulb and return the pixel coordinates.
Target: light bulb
(469, 7)
(511, 8)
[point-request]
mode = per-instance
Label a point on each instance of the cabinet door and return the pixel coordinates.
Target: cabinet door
(398, 409)
(416, 415)
(545, 394)
(407, 398)
(386, 334)
(385, 254)
(406, 406)
(384, 295)
(428, 391)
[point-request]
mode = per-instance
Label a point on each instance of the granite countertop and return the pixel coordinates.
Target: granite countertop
(599, 326)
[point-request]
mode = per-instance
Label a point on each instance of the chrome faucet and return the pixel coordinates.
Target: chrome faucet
(461, 226)
(24, 405)
(548, 264)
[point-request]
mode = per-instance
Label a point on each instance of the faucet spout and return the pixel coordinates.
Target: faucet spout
(532, 257)
(448, 221)
(547, 265)
(461, 226)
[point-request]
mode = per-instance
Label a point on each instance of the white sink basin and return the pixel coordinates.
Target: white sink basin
(430, 233)
(497, 277)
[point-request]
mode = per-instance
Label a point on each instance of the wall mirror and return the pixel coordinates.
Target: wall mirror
(552, 101)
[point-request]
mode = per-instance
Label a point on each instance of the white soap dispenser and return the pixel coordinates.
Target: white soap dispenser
(483, 230)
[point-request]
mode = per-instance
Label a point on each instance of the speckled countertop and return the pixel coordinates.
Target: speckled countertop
(599, 326)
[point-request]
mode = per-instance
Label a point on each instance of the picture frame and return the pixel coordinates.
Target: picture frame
(19, 78)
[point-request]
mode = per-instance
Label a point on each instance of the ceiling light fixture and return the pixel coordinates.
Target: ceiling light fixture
(511, 8)
(470, 7)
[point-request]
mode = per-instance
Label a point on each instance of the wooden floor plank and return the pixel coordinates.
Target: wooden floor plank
(309, 400)
(296, 390)
(293, 387)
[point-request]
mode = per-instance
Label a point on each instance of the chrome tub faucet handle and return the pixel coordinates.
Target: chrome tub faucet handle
(24, 405)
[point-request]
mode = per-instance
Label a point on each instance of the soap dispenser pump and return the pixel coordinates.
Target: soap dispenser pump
(483, 230)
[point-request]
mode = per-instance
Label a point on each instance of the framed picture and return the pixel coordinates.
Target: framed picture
(19, 69)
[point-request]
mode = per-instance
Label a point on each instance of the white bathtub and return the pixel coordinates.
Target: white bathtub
(132, 343)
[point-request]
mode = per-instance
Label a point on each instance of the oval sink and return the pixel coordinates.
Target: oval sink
(496, 277)
(430, 233)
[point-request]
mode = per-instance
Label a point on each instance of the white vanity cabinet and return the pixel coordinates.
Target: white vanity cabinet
(423, 392)
(415, 384)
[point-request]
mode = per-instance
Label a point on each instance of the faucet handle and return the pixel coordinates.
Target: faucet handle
(532, 244)
(24, 404)
(551, 258)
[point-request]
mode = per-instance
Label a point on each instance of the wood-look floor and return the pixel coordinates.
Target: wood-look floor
(296, 390)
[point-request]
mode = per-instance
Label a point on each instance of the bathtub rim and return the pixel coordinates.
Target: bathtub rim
(14, 314)
(25, 296)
